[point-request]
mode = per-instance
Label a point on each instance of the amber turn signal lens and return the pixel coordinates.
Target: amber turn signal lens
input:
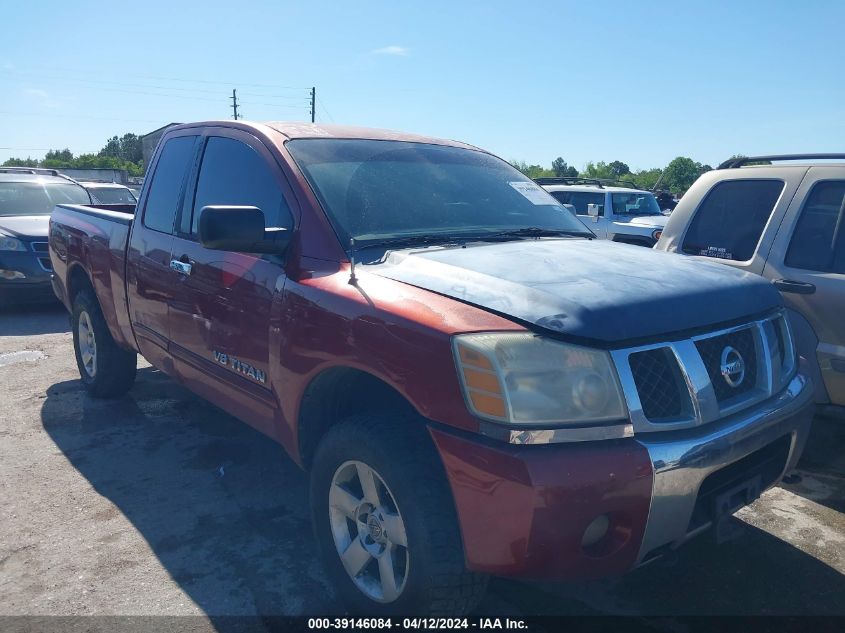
(471, 357)
(487, 404)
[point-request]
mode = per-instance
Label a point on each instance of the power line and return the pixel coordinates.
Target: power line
(178, 79)
(322, 105)
(74, 80)
(273, 105)
(81, 116)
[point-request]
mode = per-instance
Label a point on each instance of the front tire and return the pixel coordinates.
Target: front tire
(385, 520)
(106, 370)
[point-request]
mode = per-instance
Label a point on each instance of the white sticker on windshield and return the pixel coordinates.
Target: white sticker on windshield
(534, 193)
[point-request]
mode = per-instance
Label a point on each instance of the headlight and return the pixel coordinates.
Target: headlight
(11, 244)
(656, 234)
(522, 378)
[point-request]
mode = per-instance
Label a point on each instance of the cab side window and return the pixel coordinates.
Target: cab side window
(168, 183)
(818, 242)
(233, 173)
(730, 221)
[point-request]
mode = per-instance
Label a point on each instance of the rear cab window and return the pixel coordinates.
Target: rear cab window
(730, 221)
(818, 241)
(168, 183)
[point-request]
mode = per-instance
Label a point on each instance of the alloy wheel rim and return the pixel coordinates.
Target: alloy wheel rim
(369, 532)
(87, 345)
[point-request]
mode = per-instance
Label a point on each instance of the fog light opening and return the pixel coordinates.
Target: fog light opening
(596, 531)
(11, 274)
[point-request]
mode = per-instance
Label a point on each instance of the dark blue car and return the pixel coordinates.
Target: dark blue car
(27, 196)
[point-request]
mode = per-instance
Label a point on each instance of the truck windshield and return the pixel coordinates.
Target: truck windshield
(635, 203)
(382, 190)
(38, 198)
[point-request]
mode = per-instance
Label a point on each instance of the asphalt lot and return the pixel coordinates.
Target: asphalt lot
(160, 504)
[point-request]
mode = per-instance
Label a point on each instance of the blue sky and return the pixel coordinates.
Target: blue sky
(640, 82)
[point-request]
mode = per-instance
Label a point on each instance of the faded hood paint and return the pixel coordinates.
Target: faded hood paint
(591, 289)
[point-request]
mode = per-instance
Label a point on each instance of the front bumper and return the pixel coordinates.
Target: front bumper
(34, 287)
(683, 462)
(523, 510)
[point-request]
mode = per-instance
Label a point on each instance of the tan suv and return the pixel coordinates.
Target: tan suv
(785, 221)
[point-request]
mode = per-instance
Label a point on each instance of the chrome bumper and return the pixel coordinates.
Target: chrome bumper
(683, 459)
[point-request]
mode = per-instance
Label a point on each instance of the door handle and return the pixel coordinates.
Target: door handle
(798, 287)
(180, 267)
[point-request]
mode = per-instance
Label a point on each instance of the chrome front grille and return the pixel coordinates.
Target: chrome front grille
(711, 350)
(697, 380)
(659, 383)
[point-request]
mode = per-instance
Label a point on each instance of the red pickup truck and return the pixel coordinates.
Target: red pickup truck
(476, 385)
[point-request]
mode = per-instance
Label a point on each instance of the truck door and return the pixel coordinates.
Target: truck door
(807, 264)
(151, 282)
(223, 312)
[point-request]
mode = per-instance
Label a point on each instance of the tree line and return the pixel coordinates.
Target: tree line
(677, 176)
(122, 152)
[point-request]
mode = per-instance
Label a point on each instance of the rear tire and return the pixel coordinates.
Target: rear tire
(410, 516)
(107, 371)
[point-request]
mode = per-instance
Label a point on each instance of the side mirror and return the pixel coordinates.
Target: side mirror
(239, 229)
(593, 211)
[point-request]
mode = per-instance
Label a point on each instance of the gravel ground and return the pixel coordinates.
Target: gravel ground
(160, 504)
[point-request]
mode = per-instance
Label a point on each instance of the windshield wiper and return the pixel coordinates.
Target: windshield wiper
(534, 231)
(426, 239)
(439, 239)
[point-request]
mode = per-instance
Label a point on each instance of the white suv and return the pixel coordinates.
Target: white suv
(620, 214)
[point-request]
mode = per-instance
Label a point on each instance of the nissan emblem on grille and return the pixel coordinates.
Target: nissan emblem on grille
(732, 367)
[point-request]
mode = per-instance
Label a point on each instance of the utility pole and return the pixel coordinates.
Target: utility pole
(234, 99)
(313, 102)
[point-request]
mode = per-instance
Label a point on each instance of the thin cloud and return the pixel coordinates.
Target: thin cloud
(396, 51)
(42, 98)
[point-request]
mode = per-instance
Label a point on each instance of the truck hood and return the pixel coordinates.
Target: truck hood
(590, 289)
(25, 225)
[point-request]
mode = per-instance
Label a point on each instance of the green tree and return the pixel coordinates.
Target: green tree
(60, 155)
(130, 148)
(560, 168)
(598, 170)
(619, 168)
(112, 148)
(532, 171)
(645, 178)
(126, 147)
(20, 162)
(680, 173)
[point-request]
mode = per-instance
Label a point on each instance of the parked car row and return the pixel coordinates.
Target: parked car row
(27, 197)
(476, 384)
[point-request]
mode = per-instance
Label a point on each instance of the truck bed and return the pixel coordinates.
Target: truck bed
(88, 245)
